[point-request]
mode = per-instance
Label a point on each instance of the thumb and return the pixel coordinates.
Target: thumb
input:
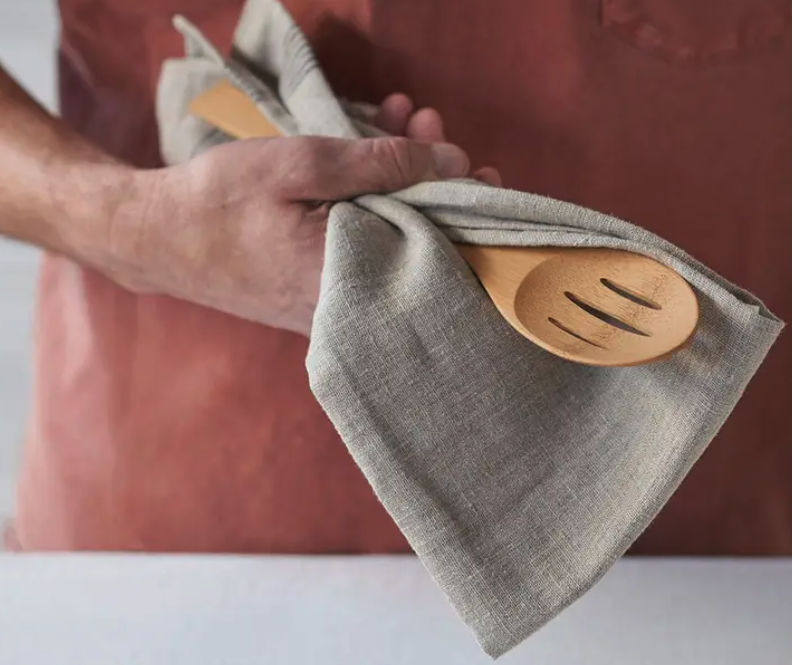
(345, 169)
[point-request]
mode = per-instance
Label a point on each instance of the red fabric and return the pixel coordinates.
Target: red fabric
(159, 425)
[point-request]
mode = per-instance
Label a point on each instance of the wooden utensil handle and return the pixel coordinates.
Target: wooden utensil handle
(228, 108)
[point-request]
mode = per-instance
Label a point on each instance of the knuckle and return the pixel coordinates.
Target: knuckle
(395, 155)
(306, 159)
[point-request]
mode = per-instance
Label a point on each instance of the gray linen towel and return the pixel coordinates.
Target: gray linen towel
(517, 477)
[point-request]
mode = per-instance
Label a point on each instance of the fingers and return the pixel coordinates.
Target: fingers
(425, 125)
(394, 113)
(489, 175)
(322, 169)
(333, 170)
(397, 117)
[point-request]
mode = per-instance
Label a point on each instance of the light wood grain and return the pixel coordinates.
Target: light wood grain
(231, 110)
(592, 306)
(541, 293)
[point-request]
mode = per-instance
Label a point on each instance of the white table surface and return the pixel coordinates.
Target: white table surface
(151, 610)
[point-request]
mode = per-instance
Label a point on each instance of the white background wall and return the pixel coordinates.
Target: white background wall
(28, 32)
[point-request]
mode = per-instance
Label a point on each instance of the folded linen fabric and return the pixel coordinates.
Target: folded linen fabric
(517, 477)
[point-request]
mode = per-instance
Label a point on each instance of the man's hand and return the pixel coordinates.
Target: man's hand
(241, 228)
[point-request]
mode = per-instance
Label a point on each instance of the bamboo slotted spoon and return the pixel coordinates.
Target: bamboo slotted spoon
(600, 307)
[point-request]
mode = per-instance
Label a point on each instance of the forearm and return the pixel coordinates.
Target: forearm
(57, 190)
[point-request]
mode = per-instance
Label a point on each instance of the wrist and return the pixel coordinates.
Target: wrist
(97, 207)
